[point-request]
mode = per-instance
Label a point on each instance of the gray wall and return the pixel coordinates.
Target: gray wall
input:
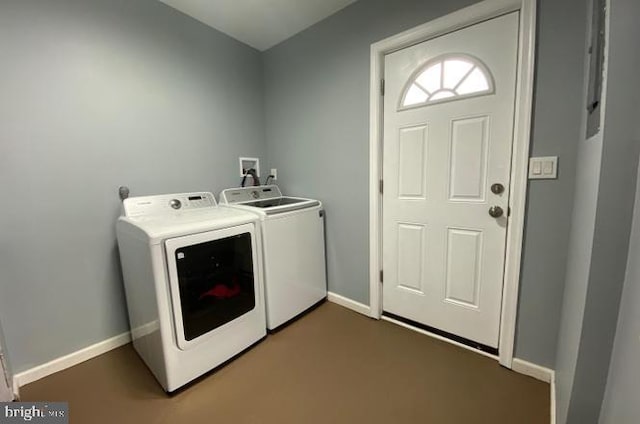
(603, 210)
(621, 404)
(589, 158)
(317, 136)
(616, 194)
(557, 131)
(96, 94)
(578, 266)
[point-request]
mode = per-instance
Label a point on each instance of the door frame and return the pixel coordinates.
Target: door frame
(462, 18)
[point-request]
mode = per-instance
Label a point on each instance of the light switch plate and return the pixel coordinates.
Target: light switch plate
(543, 168)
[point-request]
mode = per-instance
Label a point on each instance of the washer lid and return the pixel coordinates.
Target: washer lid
(282, 204)
(280, 201)
(267, 199)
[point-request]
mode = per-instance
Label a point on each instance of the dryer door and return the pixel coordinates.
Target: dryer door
(213, 279)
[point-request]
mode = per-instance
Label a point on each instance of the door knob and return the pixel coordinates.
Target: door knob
(496, 211)
(497, 188)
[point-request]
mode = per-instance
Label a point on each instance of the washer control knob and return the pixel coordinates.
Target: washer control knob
(175, 203)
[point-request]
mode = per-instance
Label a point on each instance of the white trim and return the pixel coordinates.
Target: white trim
(552, 401)
(375, 175)
(360, 308)
(518, 193)
(6, 392)
(533, 370)
(437, 337)
(67, 361)
(16, 390)
(517, 199)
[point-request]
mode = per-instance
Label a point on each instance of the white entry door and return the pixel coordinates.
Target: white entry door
(448, 134)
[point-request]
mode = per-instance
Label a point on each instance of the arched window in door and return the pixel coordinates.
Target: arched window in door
(446, 78)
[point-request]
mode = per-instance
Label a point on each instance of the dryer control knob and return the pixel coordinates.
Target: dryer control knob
(175, 203)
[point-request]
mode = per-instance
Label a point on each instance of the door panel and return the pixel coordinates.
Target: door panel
(413, 162)
(464, 251)
(410, 254)
(468, 159)
(448, 133)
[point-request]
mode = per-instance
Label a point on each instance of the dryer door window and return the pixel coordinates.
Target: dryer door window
(215, 283)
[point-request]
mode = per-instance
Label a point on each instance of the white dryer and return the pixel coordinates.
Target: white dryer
(293, 249)
(193, 282)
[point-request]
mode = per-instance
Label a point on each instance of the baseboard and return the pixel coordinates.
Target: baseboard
(16, 390)
(67, 361)
(539, 373)
(532, 370)
(361, 308)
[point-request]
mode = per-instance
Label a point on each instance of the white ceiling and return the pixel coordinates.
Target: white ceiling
(259, 23)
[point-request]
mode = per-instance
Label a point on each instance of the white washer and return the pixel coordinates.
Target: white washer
(293, 249)
(193, 281)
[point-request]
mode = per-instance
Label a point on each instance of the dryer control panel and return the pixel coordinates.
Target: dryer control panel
(167, 203)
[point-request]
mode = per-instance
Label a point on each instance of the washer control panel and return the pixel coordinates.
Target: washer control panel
(167, 203)
(249, 194)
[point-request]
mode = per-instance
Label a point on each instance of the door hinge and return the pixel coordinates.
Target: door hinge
(381, 279)
(381, 186)
(382, 87)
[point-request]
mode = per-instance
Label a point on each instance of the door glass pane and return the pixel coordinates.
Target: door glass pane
(415, 95)
(476, 82)
(431, 78)
(454, 71)
(215, 282)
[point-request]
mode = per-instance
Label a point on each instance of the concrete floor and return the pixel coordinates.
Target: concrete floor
(331, 366)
